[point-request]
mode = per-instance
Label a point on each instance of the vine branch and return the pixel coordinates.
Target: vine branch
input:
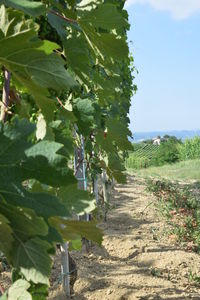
(5, 95)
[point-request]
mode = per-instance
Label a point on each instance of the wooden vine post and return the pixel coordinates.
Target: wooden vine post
(80, 173)
(96, 189)
(105, 194)
(5, 95)
(65, 269)
(4, 110)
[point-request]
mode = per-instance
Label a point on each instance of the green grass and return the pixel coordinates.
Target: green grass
(185, 170)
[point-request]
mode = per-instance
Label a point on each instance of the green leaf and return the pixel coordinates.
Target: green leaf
(105, 143)
(118, 132)
(63, 135)
(85, 109)
(85, 229)
(75, 244)
(39, 291)
(106, 44)
(20, 218)
(77, 201)
(6, 237)
(105, 16)
(32, 61)
(18, 291)
(31, 8)
(32, 258)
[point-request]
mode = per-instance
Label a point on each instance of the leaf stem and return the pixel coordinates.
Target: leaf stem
(5, 95)
(62, 17)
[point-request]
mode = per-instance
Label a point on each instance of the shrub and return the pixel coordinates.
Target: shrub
(190, 149)
(167, 153)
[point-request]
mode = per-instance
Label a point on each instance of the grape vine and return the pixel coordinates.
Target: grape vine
(66, 73)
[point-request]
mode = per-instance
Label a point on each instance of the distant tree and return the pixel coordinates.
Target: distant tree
(149, 141)
(172, 138)
(168, 152)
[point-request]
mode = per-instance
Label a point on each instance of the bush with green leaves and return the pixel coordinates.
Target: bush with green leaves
(190, 149)
(168, 152)
(180, 205)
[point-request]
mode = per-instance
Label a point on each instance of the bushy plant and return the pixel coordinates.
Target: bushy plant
(167, 153)
(190, 149)
(180, 205)
(135, 162)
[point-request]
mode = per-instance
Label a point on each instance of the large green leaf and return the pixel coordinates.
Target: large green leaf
(105, 43)
(20, 218)
(31, 61)
(76, 201)
(76, 49)
(29, 7)
(85, 229)
(5, 231)
(118, 131)
(33, 260)
(105, 16)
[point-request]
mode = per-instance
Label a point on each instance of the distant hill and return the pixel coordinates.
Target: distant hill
(180, 134)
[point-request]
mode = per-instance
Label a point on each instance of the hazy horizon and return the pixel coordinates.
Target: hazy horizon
(172, 130)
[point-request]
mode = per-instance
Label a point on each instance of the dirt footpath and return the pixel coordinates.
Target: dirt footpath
(136, 261)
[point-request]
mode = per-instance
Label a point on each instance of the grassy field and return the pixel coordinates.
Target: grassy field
(185, 170)
(142, 156)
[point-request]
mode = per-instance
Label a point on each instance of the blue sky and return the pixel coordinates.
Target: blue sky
(166, 48)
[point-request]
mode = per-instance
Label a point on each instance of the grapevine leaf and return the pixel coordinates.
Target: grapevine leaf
(104, 142)
(39, 291)
(24, 54)
(85, 229)
(105, 16)
(104, 44)
(24, 218)
(31, 8)
(118, 131)
(18, 291)
(84, 109)
(6, 238)
(32, 258)
(31, 61)
(75, 46)
(77, 201)
(119, 177)
(47, 149)
(64, 137)
(75, 244)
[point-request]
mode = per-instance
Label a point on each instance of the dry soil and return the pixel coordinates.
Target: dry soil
(137, 260)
